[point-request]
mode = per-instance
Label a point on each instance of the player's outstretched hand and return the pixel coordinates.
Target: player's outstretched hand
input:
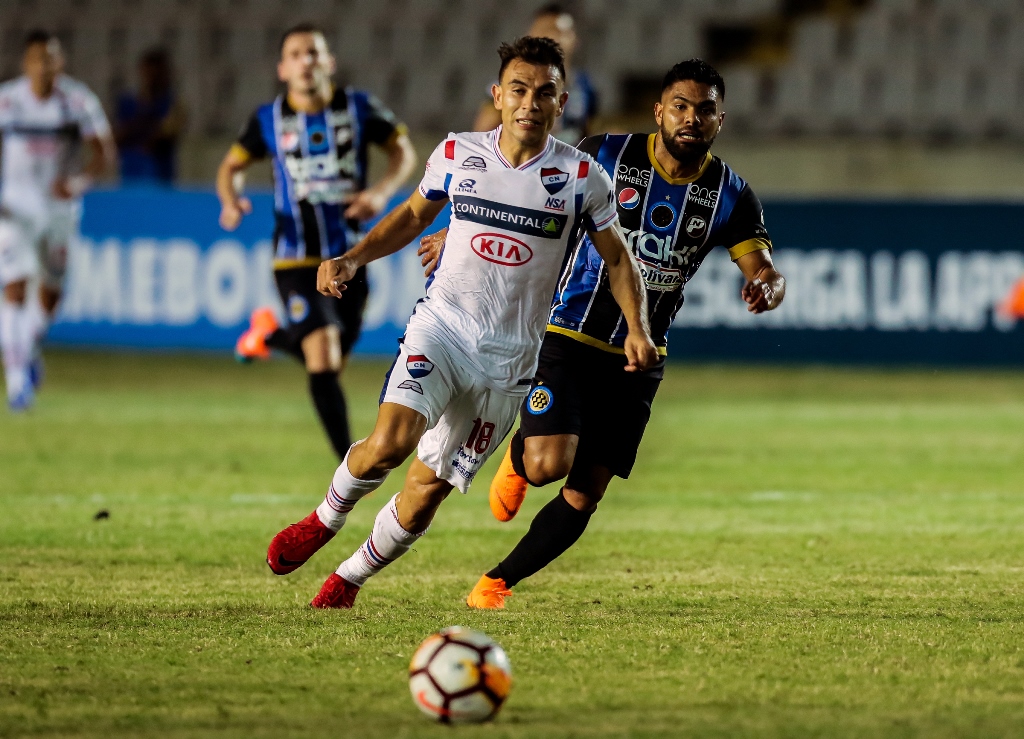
(641, 353)
(365, 205)
(759, 296)
(231, 213)
(333, 274)
(430, 250)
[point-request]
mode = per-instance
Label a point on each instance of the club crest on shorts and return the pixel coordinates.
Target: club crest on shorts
(298, 308)
(539, 400)
(553, 179)
(417, 365)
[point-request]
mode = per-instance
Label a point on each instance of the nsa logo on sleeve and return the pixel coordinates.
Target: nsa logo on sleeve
(553, 179)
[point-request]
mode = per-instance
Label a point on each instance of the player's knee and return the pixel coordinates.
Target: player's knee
(546, 466)
(14, 292)
(583, 501)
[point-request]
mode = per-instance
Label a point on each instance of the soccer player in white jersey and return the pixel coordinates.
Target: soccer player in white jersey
(471, 346)
(46, 119)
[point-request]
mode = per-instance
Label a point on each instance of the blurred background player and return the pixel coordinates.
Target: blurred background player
(149, 122)
(47, 120)
(585, 417)
(318, 136)
(555, 22)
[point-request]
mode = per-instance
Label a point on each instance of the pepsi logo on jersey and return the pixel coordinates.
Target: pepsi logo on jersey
(629, 198)
(417, 365)
(501, 249)
(289, 141)
(553, 179)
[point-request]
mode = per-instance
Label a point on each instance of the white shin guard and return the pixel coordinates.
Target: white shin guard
(387, 542)
(345, 491)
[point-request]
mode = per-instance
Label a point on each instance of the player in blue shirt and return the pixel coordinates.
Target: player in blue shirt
(317, 137)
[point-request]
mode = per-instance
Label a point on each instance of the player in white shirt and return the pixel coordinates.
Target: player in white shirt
(46, 120)
(471, 346)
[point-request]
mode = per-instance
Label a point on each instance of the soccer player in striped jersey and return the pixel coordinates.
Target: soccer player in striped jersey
(518, 196)
(584, 416)
(317, 136)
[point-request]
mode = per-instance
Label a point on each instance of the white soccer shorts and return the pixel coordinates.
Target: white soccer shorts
(466, 419)
(31, 246)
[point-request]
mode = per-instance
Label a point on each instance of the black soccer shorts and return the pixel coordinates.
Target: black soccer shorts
(307, 310)
(583, 390)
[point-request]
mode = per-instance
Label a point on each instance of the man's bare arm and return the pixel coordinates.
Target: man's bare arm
(765, 287)
(627, 286)
(395, 231)
(401, 162)
(230, 174)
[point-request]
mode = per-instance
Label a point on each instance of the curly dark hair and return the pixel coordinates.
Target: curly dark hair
(697, 70)
(533, 50)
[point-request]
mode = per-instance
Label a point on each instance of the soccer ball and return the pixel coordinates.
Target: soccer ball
(459, 676)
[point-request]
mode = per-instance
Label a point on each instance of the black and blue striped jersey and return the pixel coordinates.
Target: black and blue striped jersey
(670, 225)
(320, 162)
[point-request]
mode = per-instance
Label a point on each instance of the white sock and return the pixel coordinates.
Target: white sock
(16, 345)
(344, 493)
(387, 542)
(39, 321)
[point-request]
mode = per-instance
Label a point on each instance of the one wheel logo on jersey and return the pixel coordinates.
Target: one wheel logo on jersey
(298, 308)
(696, 226)
(501, 249)
(539, 401)
(553, 179)
(418, 366)
(662, 216)
(629, 198)
(289, 141)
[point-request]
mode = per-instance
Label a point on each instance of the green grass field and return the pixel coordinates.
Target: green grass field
(800, 552)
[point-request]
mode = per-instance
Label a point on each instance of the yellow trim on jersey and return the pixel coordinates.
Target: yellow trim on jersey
(240, 152)
(400, 130)
(294, 263)
(596, 343)
(749, 247)
(665, 175)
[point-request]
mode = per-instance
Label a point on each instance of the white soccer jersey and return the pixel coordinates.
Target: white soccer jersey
(42, 138)
(506, 245)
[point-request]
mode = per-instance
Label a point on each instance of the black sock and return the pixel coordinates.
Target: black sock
(330, 405)
(555, 528)
(283, 341)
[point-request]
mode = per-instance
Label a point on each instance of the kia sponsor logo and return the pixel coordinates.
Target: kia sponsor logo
(501, 249)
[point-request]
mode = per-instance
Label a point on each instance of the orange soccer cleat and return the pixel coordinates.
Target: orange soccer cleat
(488, 594)
(1013, 306)
(508, 490)
(252, 344)
(336, 592)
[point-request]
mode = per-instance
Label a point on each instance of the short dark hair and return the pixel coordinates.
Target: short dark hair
(38, 36)
(532, 50)
(697, 70)
(551, 9)
(299, 28)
